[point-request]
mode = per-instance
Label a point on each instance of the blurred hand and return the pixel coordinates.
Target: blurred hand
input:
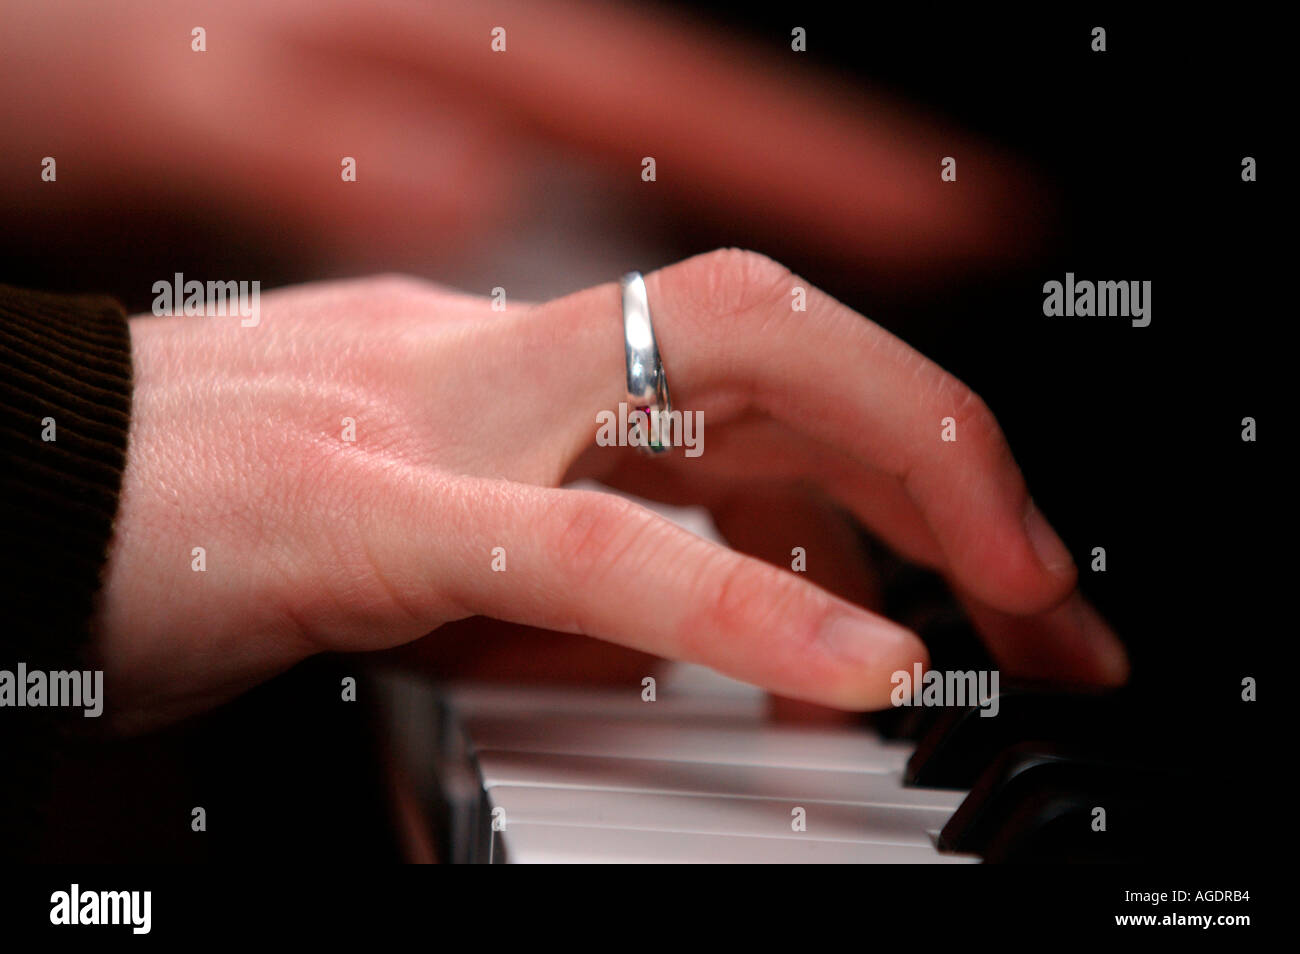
(451, 138)
(467, 420)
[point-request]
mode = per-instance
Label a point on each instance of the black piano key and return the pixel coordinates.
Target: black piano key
(1044, 803)
(963, 740)
(919, 600)
(904, 723)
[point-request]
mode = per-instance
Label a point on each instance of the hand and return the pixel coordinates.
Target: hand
(467, 420)
(453, 142)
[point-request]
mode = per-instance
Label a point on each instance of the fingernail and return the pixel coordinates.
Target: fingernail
(1052, 553)
(868, 642)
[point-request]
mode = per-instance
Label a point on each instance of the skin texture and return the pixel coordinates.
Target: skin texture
(468, 419)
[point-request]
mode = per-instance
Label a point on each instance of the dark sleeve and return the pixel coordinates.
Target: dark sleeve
(65, 402)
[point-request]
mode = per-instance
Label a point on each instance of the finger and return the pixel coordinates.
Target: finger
(780, 526)
(786, 524)
(727, 334)
(1069, 643)
(595, 564)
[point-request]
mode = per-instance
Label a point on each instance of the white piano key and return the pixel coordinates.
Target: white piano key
(697, 680)
(715, 815)
(470, 701)
(542, 769)
(562, 844)
(846, 750)
(597, 775)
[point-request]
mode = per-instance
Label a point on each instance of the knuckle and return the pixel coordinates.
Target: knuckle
(979, 435)
(975, 419)
(944, 393)
(979, 439)
(733, 596)
(731, 282)
(741, 598)
(967, 406)
(595, 529)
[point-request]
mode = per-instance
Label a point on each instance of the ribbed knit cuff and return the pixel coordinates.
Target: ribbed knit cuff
(65, 402)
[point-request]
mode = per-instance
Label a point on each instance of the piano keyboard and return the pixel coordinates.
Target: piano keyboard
(528, 776)
(703, 774)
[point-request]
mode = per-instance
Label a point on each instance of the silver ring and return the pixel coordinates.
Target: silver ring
(647, 382)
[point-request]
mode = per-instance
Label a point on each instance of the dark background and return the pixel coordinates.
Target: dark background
(1130, 437)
